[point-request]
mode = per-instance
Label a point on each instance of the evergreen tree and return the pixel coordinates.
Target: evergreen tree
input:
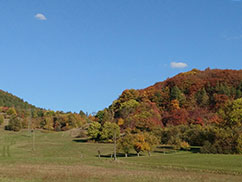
(202, 97)
(176, 94)
(239, 91)
(238, 94)
(223, 89)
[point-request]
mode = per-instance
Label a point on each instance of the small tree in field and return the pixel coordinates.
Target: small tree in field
(14, 124)
(94, 130)
(109, 132)
(125, 144)
(139, 143)
(150, 142)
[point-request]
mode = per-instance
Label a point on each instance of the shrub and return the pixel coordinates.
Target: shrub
(14, 124)
(184, 146)
(208, 148)
(1, 119)
(94, 130)
(239, 144)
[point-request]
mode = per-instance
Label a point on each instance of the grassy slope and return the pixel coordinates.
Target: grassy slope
(58, 158)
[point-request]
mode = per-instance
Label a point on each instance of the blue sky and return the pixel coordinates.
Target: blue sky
(81, 54)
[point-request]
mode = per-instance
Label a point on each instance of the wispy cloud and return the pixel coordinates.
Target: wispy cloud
(178, 65)
(232, 37)
(40, 16)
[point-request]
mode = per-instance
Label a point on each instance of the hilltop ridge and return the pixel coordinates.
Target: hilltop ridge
(193, 97)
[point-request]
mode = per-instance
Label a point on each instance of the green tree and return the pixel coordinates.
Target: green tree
(176, 94)
(239, 144)
(223, 88)
(236, 113)
(109, 130)
(104, 116)
(1, 119)
(129, 94)
(47, 123)
(125, 144)
(82, 113)
(232, 113)
(151, 142)
(94, 130)
(11, 111)
(14, 124)
(202, 97)
(239, 91)
(72, 120)
(238, 94)
(128, 107)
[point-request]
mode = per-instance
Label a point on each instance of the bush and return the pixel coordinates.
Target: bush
(94, 130)
(208, 148)
(184, 146)
(1, 119)
(14, 124)
(239, 144)
(213, 139)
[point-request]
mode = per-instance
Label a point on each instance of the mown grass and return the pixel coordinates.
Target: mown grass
(59, 157)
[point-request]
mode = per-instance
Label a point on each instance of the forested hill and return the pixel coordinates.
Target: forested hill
(10, 100)
(16, 114)
(194, 97)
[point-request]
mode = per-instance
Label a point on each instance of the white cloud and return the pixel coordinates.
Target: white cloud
(178, 65)
(40, 16)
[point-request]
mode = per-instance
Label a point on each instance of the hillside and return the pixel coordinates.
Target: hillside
(194, 97)
(10, 100)
(16, 114)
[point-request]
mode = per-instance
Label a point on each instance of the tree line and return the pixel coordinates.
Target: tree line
(198, 101)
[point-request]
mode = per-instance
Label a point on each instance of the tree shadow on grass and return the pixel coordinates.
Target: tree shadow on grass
(81, 140)
(195, 150)
(170, 150)
(166, 151)
(119, 155)
(165, 147)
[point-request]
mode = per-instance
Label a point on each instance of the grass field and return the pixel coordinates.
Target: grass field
(59, 157)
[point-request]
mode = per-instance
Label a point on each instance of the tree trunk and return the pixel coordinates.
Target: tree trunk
(138, 154)
(33, 144)
(115, 145)
(126, 155)
(149, 153)
(99, 154)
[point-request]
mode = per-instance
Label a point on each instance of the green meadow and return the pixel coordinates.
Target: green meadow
(56, 156)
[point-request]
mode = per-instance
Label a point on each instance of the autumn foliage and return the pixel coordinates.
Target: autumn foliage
(193, 97)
